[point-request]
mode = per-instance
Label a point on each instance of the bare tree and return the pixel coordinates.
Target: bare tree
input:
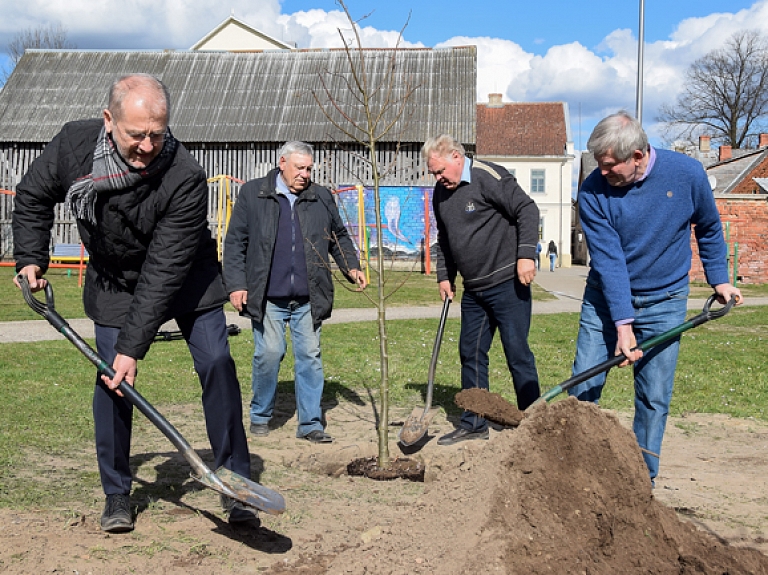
(371, 107)
(725, 93)
(52, 36)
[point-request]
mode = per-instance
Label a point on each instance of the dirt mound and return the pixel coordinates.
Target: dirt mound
(566, 492)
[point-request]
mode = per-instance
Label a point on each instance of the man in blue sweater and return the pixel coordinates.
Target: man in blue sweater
(487, 230)
(637, 209)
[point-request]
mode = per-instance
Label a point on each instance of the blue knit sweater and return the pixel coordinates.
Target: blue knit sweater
(639, 235)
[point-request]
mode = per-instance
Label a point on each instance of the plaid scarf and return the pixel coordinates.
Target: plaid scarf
(111, 173)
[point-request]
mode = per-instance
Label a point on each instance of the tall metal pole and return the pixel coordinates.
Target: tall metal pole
(640, 43)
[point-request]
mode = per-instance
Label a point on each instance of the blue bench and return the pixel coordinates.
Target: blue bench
(68, 254)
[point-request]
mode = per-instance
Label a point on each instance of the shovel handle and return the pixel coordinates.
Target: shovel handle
(48, 311)
(435, 354)
(706, 314)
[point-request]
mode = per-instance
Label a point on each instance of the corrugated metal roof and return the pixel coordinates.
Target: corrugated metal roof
(245, 97)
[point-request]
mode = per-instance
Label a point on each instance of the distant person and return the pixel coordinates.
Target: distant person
(487, 229)
(278, 273)
(637, 209)
(552, 255)
(539, 249)
(141, 203)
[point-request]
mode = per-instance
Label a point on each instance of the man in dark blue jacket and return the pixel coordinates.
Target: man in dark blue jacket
(487, 230)
(141, 203)
(277, 272)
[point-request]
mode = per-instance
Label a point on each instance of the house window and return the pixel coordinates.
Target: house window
(512, 172)
(537, 181)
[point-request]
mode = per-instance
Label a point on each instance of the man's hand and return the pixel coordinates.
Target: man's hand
(34, 277)
(726, 291)
(447, 290)
(359, 278)
(625, 343)
(239, 299)
(125, 369)
(526, 271)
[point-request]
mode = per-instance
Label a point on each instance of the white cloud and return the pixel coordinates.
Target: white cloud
(596, 81)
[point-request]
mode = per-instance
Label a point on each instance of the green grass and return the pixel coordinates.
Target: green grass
(46, 387)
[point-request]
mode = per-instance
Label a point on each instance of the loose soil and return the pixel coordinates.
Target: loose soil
(564, 492)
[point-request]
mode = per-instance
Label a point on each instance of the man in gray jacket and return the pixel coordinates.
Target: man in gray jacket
(277, 272)
(487, 230)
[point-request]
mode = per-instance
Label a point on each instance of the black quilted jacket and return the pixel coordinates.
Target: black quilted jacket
(152, 256)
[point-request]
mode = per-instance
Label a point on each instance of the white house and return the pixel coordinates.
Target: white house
(533, 141)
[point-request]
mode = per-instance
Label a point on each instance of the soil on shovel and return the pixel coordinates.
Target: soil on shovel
(489, 405)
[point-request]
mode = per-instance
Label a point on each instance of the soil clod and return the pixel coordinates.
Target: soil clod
(491, 406)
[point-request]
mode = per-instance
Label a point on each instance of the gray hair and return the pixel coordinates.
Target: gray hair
(618, 134)
(124, 84)
(296, 147)
(442, 145)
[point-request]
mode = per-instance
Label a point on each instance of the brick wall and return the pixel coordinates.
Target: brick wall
(748, 218)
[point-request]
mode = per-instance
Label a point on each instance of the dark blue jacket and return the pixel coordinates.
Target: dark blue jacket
(252, 235)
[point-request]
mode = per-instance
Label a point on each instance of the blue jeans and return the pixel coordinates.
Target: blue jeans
(552, 259)
(269, 351)
(506, 308)
(654, 374)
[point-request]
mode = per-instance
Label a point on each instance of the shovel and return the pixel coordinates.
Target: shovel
(223, 481)
(418, 421)
(508, 414)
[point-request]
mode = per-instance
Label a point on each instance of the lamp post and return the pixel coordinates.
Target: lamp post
(640, 42)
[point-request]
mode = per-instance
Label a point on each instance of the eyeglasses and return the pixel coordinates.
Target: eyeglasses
(154, 138)
(138, 137)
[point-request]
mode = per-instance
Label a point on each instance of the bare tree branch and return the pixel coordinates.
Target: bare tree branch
(52, 36)
(725, 93)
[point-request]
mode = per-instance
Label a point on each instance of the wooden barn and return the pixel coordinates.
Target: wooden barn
(233, 110)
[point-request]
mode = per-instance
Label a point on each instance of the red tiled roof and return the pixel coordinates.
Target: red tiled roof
(521, 129)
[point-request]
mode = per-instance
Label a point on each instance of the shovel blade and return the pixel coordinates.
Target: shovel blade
(249, 492)
(416, 425)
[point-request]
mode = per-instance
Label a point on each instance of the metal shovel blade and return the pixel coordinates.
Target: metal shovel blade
(223, 481)
(417, 423)
(234, 485)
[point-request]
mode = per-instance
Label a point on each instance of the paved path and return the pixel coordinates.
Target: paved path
(566, 284)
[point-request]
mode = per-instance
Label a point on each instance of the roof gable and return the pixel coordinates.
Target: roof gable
(522, 129)
(235, 35)
(737, 175)
(244, 97)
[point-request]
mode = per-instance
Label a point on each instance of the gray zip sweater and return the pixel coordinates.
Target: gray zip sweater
(483, 227)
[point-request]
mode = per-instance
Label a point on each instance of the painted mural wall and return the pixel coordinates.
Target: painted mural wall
(404, 211)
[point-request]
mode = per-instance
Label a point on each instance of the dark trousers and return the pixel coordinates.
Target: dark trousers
(506, 308)
(206, 336)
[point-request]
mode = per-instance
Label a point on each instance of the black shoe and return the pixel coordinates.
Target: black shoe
(237, 512)
(259, 429)
(462, 434)
(318, 436)
(117, 514)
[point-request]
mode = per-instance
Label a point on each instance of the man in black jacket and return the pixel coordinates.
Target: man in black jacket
(487, 230)
(277, 272)
(140, 200)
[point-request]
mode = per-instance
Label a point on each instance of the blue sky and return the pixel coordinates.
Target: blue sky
(584, 53)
